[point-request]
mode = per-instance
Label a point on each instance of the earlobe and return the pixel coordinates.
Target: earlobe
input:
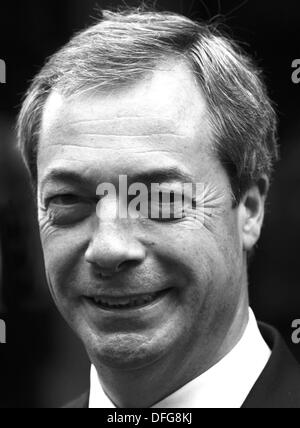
(252, 213)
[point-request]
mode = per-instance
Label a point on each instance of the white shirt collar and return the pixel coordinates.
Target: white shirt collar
(225, 385)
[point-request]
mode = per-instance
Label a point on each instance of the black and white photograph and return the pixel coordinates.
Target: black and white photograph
(149, 207)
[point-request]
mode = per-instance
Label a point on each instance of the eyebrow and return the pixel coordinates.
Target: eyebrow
(162, 175)
(58, 175)
(158, 175)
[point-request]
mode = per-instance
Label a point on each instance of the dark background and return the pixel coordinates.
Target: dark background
(43, 364)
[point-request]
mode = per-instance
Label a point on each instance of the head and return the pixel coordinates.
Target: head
(155, 97)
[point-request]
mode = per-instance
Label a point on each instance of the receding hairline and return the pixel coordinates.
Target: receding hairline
(169, 63)
(168, 78)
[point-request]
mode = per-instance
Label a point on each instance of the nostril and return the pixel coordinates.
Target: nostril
(127, 264)
(106, 274)
(103, 273)
(109, 272)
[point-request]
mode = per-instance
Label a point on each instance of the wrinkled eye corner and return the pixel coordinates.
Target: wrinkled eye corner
(67, 209)
(63, 200)
(174, 214)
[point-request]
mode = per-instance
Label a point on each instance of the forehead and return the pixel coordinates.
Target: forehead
(162, 118)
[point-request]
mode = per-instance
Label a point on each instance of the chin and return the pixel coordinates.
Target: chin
(126, 351)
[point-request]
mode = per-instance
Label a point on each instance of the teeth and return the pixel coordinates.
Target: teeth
(125, 302)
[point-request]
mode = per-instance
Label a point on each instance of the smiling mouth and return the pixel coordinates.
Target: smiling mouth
(127, 302)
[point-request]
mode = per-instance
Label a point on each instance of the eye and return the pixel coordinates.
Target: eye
(169, 207)
(65, 200)
(68, 209)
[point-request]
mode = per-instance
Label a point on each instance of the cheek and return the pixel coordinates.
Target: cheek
(63, 252)
(196, 253)
(214, 286)
(209, 261)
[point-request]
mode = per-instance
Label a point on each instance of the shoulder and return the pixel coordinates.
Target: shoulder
(279, 384)
(81, 402)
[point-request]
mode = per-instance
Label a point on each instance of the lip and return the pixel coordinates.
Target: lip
(159, 295)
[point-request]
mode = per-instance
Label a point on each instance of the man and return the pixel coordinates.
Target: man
(161, 304)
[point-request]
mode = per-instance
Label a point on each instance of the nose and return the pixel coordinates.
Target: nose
(113, 249)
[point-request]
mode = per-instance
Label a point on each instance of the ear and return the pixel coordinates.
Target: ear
(251, 213)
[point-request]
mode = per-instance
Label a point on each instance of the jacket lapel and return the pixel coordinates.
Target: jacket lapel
(279, 384)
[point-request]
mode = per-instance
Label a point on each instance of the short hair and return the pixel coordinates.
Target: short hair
(123, 46)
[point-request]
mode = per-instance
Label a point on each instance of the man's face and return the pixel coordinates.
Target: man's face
(104, 275)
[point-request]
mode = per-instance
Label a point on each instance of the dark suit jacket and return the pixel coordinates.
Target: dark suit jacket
(277, 387)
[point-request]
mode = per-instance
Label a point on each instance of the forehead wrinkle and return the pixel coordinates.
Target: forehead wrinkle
(118, 127)
(122, 142)
(94, 134)
(61, 131)
(119, 118)
(110, 149)
(98, 144)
